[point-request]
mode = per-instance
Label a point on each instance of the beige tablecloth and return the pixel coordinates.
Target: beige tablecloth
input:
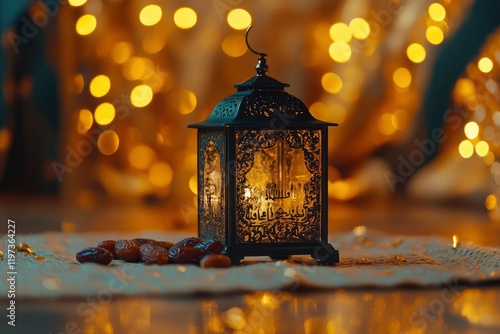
(367, 259)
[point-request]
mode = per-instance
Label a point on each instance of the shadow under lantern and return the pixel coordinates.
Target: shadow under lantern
(262, 182)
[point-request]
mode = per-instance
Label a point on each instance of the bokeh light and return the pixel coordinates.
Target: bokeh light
(360, 29)
(471, 130)
(340, 51)
(100, 85)
(340, 32)
(386, 125)
(86, 24)
(150, 15)
(108, 142)
(437, 12)
(464, 88)
(187, 102)
(137, 68)
(85, 121)
(491, 202)
(77, 3)
(141, 156)
(416, 53)
(402, 77)
(5, 139)
(234, 45)
(141, 96)
(239, 19)
(193, 184)
(161, 174)
(482, 148)
(185, 18)
(466, 149)
(104, 113)
(331, 82)
(485, 65)
(121, 52)
(434, 35)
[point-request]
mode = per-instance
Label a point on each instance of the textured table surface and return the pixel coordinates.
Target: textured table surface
(419, 282)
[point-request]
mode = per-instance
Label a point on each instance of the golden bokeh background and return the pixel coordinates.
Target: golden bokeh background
(132, 74)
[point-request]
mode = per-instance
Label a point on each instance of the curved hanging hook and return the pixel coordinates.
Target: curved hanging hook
(248, 45)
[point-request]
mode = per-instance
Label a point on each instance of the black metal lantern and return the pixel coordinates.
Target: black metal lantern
(262, 182)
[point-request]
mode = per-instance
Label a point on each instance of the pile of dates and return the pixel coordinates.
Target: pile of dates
(192, 250)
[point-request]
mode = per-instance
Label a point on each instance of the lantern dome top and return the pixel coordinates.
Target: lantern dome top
(258, 101)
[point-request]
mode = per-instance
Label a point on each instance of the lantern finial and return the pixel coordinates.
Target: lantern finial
(261, 67)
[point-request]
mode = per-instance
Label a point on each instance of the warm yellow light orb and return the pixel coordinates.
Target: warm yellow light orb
(141, 96)
(340, 51)
(108, 142)
(434, 35)
(491, 202)
(340, 32)
(234, 45)
(161, 174)
(193, 184)
(77, 3)
(485, 65)
(121, 52)
(141, 156)
(482, 148)
(466, 149)
(239, 19)
(437, 12)
(187, 102)
(402, 77)
(416, 53)
(360, 29)
(85, 121)
(185, 18)
(331, 82)
(100, 85)
(86, 24)
(104, 113)
(150, 15)
(471, 130)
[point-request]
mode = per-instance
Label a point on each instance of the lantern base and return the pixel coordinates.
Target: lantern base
(321, 251)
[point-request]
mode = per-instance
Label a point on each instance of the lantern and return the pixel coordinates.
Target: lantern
(262, 173)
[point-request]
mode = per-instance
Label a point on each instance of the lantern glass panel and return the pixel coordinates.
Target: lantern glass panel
(211, 181)
(278, 182)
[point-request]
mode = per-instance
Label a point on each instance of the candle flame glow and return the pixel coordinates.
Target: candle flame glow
(455, 241)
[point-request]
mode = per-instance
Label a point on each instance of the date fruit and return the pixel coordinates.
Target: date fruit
(142, 241)
(128, 250)
(188, 242)
(211, 246)
(185, 255)
(108, 245)
(165, 244)
(94, 255)
(215, 261)
(151, 253)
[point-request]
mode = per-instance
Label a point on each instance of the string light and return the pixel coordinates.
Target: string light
(100, 85)
(360, 29)
(437, 12)
(86, 24)
(340, 51)
(150, 15)
(185, 18)
(434, 35)
(340, 32)
(416, 53)
(485, 65)
(141, 96)
(108, 142)
(402, 77)
(239, 19)
(331, 82)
